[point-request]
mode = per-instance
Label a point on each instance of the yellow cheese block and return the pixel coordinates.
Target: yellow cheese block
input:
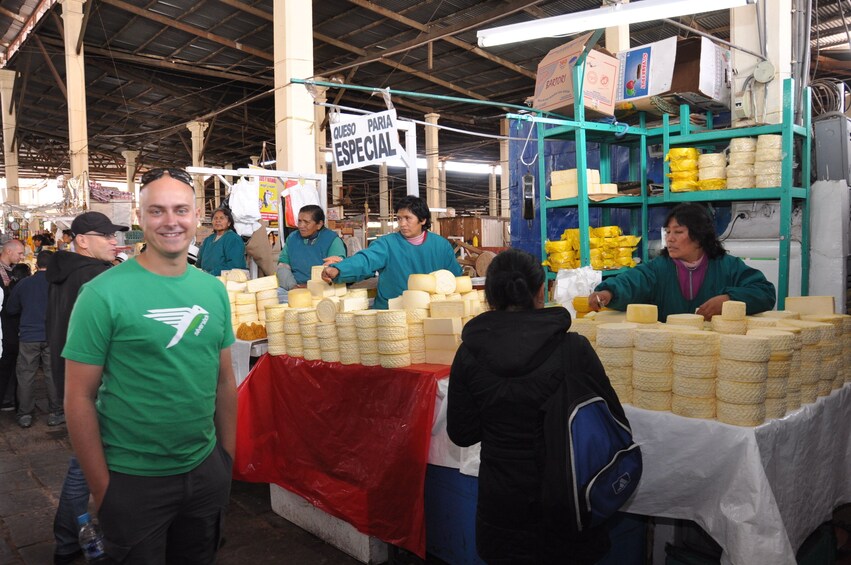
(426, 283)
(299, 298)
(642, 313)
(442, 326)
(811, 304)
(449, 309)
(463, 285)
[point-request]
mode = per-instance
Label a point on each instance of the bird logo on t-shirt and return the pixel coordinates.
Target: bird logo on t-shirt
(182, 319)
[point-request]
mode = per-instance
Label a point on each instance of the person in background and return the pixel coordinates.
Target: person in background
(65, 242)
(150, 391)
(29, 301)
(511, 361)
(223, 249)
(38, 243)
(94, 251)
(693, 274)
(411, 250)
(311, 245)
(11, 255)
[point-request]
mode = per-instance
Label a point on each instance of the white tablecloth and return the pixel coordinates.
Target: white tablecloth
(759, 492)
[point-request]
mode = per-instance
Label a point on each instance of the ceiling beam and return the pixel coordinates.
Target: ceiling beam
(50, 66)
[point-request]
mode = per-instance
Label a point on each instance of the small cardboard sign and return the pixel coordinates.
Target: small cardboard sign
(358, 141)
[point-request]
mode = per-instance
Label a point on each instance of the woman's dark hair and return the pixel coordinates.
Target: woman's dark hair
(315, 212)
(700, 229)
(513, 281)
(20, 271)
(418, 208)
(228, 214)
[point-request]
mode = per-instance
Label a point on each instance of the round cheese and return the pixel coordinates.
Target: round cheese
(695, 343)
(417, 315)
(615, 356)
(393, 347)
(722, 326)
(308, 330)
(615, 334)
(463, 284)
(711, 160)
(642, 313)
(349, 358)
(395, 361)
(652, 361)
(755, 322)
(779, 369)
(741, 371)
(416, 330)
(775, 408)
(692, 320)
(653, 340)
(415, 299)
(369, 347)
(418, 357)
(326, 331)
(416, 344)
(309, 342)
(793, 401)
(348, 333)
(694, 366)
(691, 407)
(307, 316)
(366, 318)
(330, 355)
(345, 319)
(733, 310)
(276, 351)
(425, 283)
(740, 144)
(391, 318)
(370, 359)
(642, 380)
(444, 281)
(312, 354)
(392, 333)
(367, 334)
(651, 400)
(586, 327)
(693, 388)
(621, 376)
(270, 294)
(739, 414)
(326, 310)
(745, 348)
(299, 298)
(775, 388)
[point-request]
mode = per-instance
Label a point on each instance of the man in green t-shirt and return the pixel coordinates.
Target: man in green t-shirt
(150, 391)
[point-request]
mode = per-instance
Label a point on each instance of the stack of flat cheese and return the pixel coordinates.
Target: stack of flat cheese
(732, 319)
(366, 323)
(275, 335)
(614, 346)
(307, 321)
(694, 363)
(292, 331)
(779, 366)
(742, 372)
(393, 346)
(347, 338)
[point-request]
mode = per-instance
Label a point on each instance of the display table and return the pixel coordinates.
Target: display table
(352, 440)
(241, 353)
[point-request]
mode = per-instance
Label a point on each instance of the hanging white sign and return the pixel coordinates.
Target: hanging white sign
(359, 141)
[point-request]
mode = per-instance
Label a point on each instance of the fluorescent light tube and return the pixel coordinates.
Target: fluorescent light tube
(607, 16)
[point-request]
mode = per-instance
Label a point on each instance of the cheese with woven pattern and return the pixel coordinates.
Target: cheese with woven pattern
(651, 400)
(367, 334)
(393, 347)
(615, 356)
(642, 313)
(368, 347)
(778, 340)
(653, 339)
(311, 354)
(386, 318)
(779, 369)
(735, 327)
(344, 319)
(742, 371)
(694, 366)
(642, 380)
(739, 414)
(395, 361)
(392, 333)
(745, 348)
(835, 320)
(370, 359)
(348, 333)
(366, 319)
(326, 331)
(417, 344)
(350, 358)
(775, 388)
(692, 320)
(275, 351)
(775, 408)
(330, 355)
(793, 400)
(616, 334)
(733, 310)
(779, 314)
(311, 342)
(652, 361)
(417, 315)
(695, 343)
(693, 388)
(691, 407)
(755, 322)
(584, 326)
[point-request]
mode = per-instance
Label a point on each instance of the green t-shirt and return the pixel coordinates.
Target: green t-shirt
(158, 340)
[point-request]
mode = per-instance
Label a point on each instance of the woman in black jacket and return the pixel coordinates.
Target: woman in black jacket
(509, 364)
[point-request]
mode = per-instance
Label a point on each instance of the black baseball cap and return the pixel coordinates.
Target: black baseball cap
(96, 222)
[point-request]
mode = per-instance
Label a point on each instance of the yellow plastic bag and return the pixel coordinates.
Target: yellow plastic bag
(712, 184)
(684, 185)
(682, 153)
(683, 165)
(684, 175)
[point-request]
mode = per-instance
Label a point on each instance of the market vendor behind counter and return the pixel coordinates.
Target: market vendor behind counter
(693, 274)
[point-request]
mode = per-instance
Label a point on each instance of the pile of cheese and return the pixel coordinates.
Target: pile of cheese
(682, 162)
(248, 300)
(421, 326)
(609, 249)
(565, 184)
(738, 369)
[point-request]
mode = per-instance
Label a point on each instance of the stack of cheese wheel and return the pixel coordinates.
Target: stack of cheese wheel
(740, 163)
(811, 353)
(769, 161)
(693, 367)
(793, 383)
(760, 322)
(415, 301)
(778, 315)
(614, 347)
(393, 338)
(732, 319)
(266, 298)
(712, 171)
(741, 374)
(652, 360)
(693, 321)
(292, 332)
(647, 315)
(307, 321)
(416, 335)
(347, 338)
(366, 323)
(833, 343)
(779, 367)
(275, 336)
(329, 345)
(246, 308)
(588, 328)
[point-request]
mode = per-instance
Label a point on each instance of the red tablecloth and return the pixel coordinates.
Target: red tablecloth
(350, 439)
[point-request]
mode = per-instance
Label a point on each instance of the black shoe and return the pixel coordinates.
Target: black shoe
(66, 558)
(7, 407)
(25, 421)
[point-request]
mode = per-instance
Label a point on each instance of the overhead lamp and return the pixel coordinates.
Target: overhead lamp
(27, 215)
(608, 16)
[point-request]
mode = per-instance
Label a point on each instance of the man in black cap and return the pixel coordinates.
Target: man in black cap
(94, 251)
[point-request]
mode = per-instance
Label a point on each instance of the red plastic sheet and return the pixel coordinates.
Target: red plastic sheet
(350, 439)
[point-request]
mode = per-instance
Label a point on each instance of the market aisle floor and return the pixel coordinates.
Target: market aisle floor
(32, 467)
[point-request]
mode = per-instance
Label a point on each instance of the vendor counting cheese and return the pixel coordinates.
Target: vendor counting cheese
(413, 249)
(693, 274)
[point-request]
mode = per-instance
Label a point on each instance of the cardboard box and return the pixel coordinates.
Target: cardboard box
(660, 76)
(554, 86)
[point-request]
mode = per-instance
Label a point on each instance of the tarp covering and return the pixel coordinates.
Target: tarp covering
(352, 440)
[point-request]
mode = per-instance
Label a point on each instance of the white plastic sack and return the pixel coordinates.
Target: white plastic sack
(245, 205)
(571, 283)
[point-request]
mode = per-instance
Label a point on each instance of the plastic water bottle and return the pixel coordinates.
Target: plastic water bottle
(91, 539)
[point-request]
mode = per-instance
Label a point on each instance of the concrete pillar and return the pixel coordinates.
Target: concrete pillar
(493, 195)
(130, 166)
(432, 171)
(75, 79)
(504, 180)
(336, 185)
(321, 134)
(10, 150)
(255, 160)
(745, 33)
(197, 129)
(617, 38)
(384, 208)
(443, 184)
(217, 191)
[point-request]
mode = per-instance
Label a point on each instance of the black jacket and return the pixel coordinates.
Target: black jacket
(508, 366)
(66, 273)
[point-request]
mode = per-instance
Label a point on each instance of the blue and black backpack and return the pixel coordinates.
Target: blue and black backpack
(591, 466)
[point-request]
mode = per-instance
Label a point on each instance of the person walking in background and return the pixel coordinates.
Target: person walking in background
(150, 391)
(11, 255)
(94, 251)
(29, 301)
(223, 249)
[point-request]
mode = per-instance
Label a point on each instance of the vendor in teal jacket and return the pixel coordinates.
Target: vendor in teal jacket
(306, 248)
(694, 274)
(411, 250)
(223, 250)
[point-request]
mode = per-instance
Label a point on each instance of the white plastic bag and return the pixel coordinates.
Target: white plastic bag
(245, 206)
(571, 283)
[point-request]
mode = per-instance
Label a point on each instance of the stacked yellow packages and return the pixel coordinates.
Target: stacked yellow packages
(684, 169)
(608, 247)
(712, 171)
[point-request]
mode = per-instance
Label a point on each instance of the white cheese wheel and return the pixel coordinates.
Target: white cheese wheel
(740, 144)
(368, 347)
(278, 340)
(778, 340)
(733, 310)
(312, 354)
(775, 408)
(707, 173)
(620, 375)
(694, 366)
(624, 393)
(642, 380)
(345, 319)
(370, 359)
(616, 334)
(366, 318)
(392, 333)
(779, 369)
(415, 299)
(416, 330)
(809, 393)
(367, 334)
(793, 401)
(642, 313)
(692, 320)
(417, 315)
(735, 327)
(745, 348)
(393, 347)
(739, 414)
(307, 330)
(738, 392)
(652, 361)
(349, 358)
(395, 361)
(299, 298)
(584, 326)
(463, 284)
(275, 351)
(416, 344)
(274, 327)
(310, 342)
(711, 160)
(775, 388)
(652, 339)
(811, 332)
(425, 283)
(781, 314)
(418, 357)
(740, 159)
(326, 310)
(330, 355)
(651, 400)
(391, 318)
(741, 371)
(615, 356)
(444, 281)
(693, 388)
(326, 331)
(295, 352)
(293, 341)
(691, 407)
(695, 343)
(755, 322)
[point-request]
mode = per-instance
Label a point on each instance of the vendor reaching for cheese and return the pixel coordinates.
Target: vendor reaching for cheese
(693, 274)
(411, 250)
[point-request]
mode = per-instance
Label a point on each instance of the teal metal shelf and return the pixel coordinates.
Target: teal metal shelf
(617, 201)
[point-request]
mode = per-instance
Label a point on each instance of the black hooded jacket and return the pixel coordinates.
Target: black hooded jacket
(66, 273)
(509, 364)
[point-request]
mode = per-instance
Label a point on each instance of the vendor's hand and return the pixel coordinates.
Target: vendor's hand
(331, 260)
(712, 307)
(329, 274)
(599, 300)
